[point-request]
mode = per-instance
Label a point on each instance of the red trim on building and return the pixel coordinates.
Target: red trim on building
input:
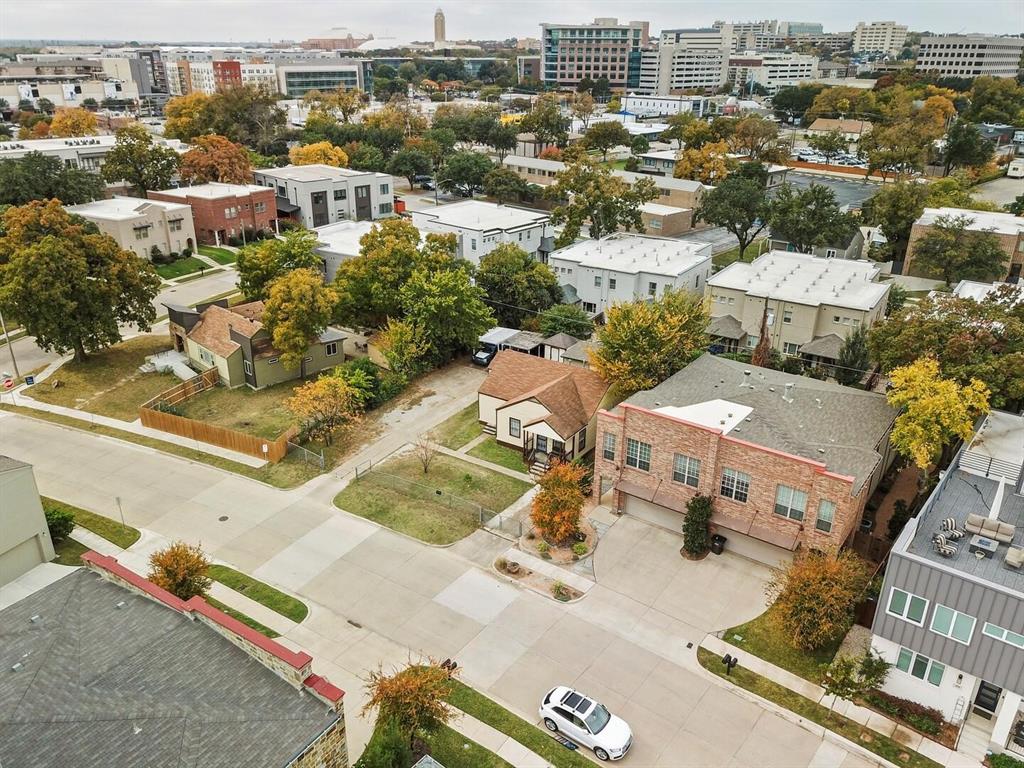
(200, 606)
(324, 687)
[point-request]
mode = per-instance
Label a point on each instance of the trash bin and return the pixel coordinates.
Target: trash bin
(718, 544)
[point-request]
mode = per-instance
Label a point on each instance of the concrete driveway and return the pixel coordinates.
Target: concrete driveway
(641, 562)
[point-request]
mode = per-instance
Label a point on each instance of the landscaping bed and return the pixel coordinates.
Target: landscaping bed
(491, 450)
(760, 638)
(538, 582)
(264, 594)
(883, 746)
(439, 507)
(459, 429)
(486, 710)
(449, 748)
(108, 382)
(533, 543)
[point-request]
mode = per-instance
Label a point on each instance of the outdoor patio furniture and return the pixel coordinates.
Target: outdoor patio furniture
(990, 529)
(942, 546)
(985, 546)
(1014, 558)
(950, 530)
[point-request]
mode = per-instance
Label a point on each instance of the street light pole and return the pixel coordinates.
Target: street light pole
(10, 347)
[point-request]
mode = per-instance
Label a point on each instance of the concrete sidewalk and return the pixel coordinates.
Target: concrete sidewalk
(867, 717)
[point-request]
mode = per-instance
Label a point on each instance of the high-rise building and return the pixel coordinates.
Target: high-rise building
(772, 70)
(970, 55)
(439, 27)
(768, 26)
(676, 68)
(791, 28)
(604, 49)
(879, 37)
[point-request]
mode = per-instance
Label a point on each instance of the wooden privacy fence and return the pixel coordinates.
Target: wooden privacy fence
(151, 416)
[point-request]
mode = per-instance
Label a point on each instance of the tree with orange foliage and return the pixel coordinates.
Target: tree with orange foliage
(815, 596)
(324, 405)
(557, 507)
(414, 699)
(550, 153)
(180, 569)
(73, 122)
(321, 153)
(214, 158)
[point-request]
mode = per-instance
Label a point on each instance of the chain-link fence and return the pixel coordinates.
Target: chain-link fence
(427, 493)
(308, 456)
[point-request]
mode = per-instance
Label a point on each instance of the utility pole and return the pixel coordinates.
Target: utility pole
(10, 346)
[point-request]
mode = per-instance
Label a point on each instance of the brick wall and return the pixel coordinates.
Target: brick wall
(209, 215)
(328, 750)
(767, 469)
(1010, 244)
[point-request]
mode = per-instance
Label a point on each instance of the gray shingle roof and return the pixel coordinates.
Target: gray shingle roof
(137, 685)
(838, 425)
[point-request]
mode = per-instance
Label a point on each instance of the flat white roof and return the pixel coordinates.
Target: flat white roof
(662, 154)
(478, 215)
(103, 141)
(717, 414)
(632, 254)
(661, 210)
(120, 208)
(1002, 223)
(968, 289)
(342, 237)
(497, 335)
(215, 190)
(313, 172)
(1001, 437)
(802, 278)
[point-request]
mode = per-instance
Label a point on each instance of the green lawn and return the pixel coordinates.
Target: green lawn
(264, 594)
(180, 267)
(491, 450)
(398, 495)
(69, 552)
(616, 165)
(455, 431)
(474, 703)
(261, 413)
(109, 382)
(248, 621)
(220, 255)
(881, 745)
(111, 530)
(453, 750)
(725, 258)
(761, 639)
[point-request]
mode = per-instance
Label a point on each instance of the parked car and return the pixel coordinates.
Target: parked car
(586, 722)
(484, 356)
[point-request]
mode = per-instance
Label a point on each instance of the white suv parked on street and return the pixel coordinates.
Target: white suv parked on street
(584, 721)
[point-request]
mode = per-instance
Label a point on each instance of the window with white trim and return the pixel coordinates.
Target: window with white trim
(906, 606)
(597, 281)
(920, 666)
(331, 349)
(1014, 639)
(686, 470)
(248, 367)
(514, 427)
(735, 485)
(787, 315)
(611, 283)
(789, 502)
(638, 454)
(609, 446)
(826, 515)
(952, 624)
(790, 348)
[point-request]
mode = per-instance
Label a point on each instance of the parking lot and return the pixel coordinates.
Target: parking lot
(849, 192)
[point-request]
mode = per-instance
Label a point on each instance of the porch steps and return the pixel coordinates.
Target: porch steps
(974, 737)
(489, 429)
(538, 468)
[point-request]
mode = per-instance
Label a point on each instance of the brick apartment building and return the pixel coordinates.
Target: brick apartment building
(221, 211)
(1007, 228)
(789, 461)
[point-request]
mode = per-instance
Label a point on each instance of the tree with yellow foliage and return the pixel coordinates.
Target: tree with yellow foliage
(709, 164)
(73, 122)
(556, 508)
(934, 411)
(321, 152)
(297, 312)
(324, 405)
(187, 116)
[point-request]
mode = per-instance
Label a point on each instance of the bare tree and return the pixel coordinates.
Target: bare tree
(426, 450)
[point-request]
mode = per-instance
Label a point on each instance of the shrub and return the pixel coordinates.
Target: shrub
(60, 522)
(180, 569)
(186, 252)
(924, 719)
(388, 748)
(815, 596)
(501, 564)
(579, 549)
(1004, 761)
(900, 516)
(544, 549)
(557, 507)
(560, 591)
(695, 524)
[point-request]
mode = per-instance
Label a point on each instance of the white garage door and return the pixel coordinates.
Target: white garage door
(737, 543)
(19, 559)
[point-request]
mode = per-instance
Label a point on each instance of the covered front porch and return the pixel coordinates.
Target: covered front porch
(542, 446)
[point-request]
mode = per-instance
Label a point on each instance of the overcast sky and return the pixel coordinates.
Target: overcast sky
(274, 20)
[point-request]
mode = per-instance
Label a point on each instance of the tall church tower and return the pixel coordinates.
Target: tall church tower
(439, 27)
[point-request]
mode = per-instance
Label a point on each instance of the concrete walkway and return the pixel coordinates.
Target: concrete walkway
(486, 464)
(497, 742)
(866, 717)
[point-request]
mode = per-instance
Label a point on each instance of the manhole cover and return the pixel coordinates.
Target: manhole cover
(222, 518)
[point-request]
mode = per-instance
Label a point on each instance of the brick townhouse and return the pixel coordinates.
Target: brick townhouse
(1007, 229)
(220, 211)
(789, 461)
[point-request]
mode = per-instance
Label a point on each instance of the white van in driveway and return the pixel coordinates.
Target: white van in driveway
(1015, 170)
